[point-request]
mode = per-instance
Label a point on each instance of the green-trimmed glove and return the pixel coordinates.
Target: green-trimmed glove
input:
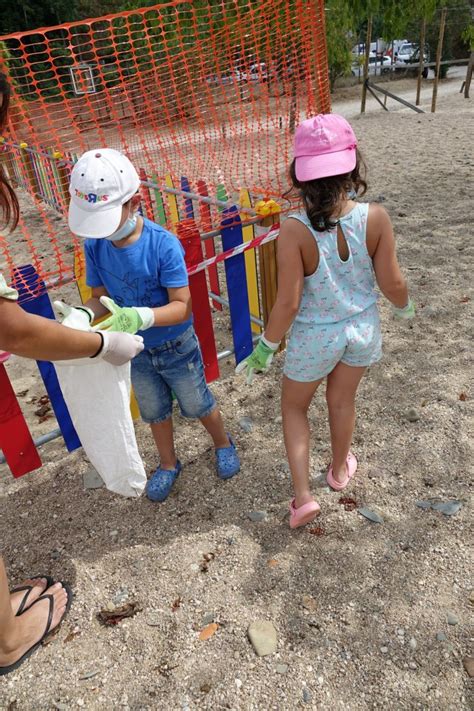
(126, 319)
(259, 360)
(407, 313)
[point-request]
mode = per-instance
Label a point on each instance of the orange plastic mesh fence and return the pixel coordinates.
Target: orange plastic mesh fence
(210, 90)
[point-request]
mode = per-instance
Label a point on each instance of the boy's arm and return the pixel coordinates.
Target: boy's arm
(94, 304)
(178, 310)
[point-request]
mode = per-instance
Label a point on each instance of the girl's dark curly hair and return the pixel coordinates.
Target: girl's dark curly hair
(9, 209)
(321, 197)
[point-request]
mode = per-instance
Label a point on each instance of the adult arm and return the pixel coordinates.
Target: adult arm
(41, 338)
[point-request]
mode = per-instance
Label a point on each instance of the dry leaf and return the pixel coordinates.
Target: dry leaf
(208, 631)
(176, 604)
(317, 531)
(113, 617)
(464, 299)
(272, 562)
(463, 397)
(73, 633)
(348, 503)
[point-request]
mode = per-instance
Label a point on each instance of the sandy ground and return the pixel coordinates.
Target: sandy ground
(361, 611)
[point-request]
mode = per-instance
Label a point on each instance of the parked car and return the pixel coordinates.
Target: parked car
(408, 58)
(258, 71)
(377, 65)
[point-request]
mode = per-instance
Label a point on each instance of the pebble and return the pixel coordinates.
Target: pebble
(309, 603)
(448, 508)
(91, 479)
(307, 696)
(452, 619)
(208, 618)
(370, 515)
(412, 665)
(238, 683)
(384, 650)
(263, 636)
(412, 415)
(114, 534)
(281, 668)
(468, 663)
(441, 637)
(257, 515)
(120, 596)
(246, 424)
(412, 644)
(400, 632)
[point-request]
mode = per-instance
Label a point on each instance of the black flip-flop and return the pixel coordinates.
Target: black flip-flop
(29, 588)
(6, 670)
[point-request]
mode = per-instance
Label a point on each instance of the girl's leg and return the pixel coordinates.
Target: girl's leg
(342, 384)
(295, 400)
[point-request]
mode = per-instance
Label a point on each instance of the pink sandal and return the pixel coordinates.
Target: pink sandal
(303, 514)
(351, 466)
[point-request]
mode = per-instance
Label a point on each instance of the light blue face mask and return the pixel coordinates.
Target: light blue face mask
(125, 230)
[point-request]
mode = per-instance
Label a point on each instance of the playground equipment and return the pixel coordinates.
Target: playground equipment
(172, 87)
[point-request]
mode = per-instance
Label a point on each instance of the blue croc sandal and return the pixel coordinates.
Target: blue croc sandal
(227, 460)
(159, 486)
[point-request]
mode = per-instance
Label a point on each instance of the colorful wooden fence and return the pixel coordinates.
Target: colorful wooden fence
(206, 226)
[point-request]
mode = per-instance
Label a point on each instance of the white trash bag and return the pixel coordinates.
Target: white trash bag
(97, 395)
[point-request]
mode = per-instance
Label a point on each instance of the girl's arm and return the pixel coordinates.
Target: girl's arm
(381, 247)
(290, 282)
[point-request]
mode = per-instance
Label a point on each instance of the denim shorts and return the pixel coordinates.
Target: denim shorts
(315, 350)
(174, 367)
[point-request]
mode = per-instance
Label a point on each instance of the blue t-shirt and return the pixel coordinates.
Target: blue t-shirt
(139, 275)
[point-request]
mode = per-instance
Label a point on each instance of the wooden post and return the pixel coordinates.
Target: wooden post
(420, 68)
(470, 68)
(366, 64)
(439, 53)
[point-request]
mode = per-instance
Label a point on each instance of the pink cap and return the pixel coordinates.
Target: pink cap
(324, 145)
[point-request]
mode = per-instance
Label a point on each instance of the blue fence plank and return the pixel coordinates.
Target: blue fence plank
(231, 231)
(27, 282)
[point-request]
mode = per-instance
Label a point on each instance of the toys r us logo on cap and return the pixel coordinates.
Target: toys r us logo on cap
(91, 197)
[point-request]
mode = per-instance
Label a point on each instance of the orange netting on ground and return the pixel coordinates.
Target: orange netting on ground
(205, 90)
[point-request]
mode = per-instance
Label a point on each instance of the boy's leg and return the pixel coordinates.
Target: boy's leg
(215, 426)
(342, 384)
(295, 400)
(163, 435)
(155, 404)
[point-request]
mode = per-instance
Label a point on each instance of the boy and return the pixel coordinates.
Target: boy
(136, 271)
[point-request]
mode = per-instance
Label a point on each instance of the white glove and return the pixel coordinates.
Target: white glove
(118, 347)
(79, 318)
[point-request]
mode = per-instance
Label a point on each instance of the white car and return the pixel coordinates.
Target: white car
(408, 57)
(377, 65)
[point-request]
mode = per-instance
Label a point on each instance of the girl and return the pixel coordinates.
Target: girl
(329, 256)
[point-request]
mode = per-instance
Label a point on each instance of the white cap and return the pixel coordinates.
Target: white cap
(102, 180)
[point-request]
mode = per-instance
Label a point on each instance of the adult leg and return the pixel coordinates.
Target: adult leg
(295, 400)
(342, 384)
(18, 634)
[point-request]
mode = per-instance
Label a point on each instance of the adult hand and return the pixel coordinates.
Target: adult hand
(80, 317)
(119, 348)
(259, 360)
(126, 319)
